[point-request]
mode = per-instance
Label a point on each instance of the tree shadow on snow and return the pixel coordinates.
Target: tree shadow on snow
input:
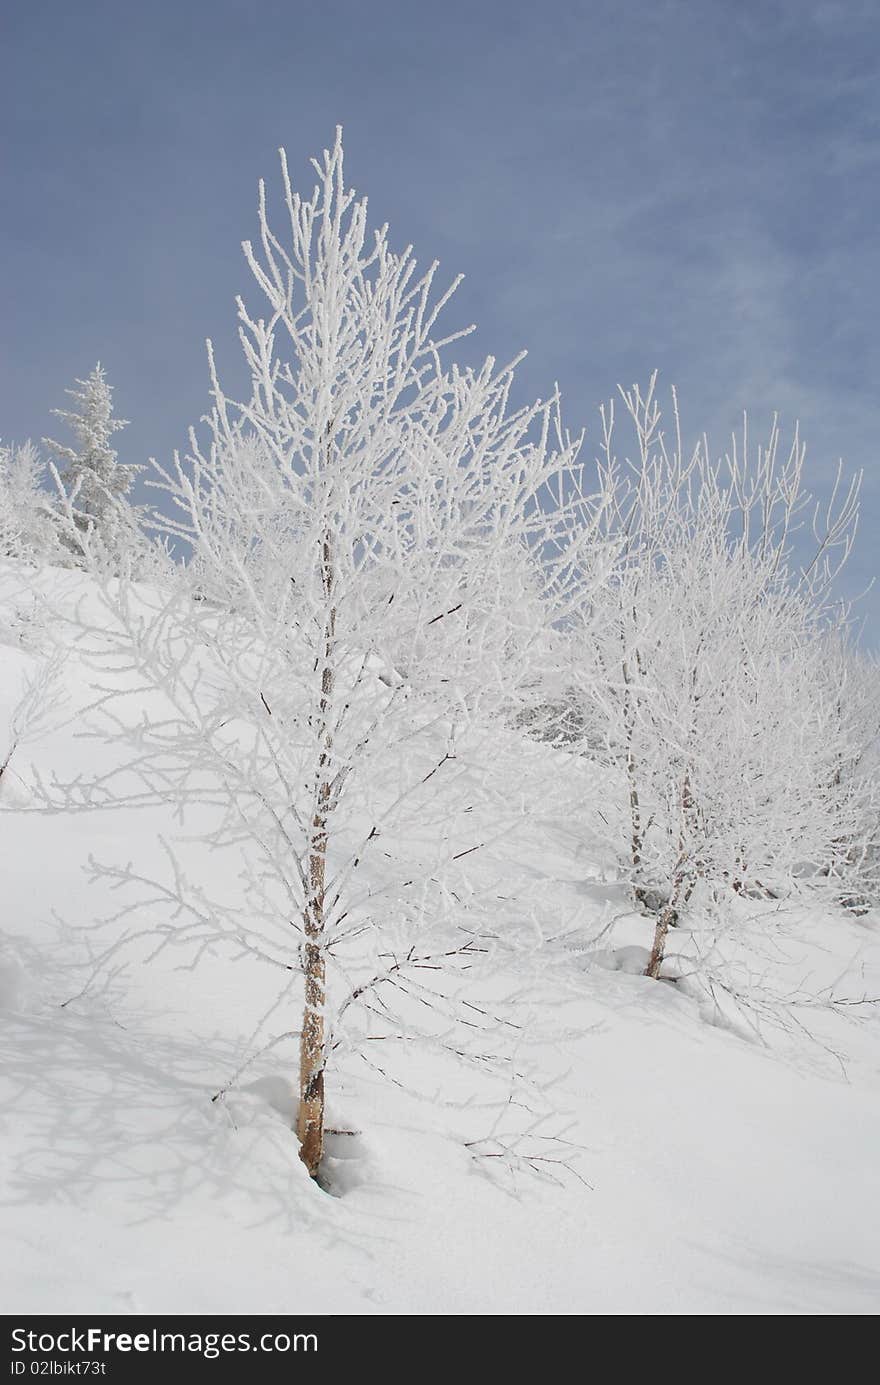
(98, 1115)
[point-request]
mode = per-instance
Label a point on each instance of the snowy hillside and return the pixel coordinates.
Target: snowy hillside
(705, 1145)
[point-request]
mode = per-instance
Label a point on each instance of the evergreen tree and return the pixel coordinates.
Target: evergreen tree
(27, 523)
(92, 476)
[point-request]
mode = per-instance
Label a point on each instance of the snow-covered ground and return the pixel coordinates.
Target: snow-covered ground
(717, 1159)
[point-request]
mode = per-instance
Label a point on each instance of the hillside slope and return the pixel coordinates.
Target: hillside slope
(709, 1167)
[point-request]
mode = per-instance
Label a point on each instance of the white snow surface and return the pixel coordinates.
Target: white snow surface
(716, 1167)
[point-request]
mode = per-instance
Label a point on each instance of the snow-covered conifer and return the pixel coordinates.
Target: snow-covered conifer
(96, 482)
(28, 528)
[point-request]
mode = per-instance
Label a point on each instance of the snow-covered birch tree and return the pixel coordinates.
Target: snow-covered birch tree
(379, 542)
(710, 658)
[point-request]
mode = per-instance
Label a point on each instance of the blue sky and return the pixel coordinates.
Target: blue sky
(686, 184)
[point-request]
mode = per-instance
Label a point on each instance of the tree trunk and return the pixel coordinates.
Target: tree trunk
(310, 1117)
(665, 919)
(683, 881)
(312, 1047)
(635, 809)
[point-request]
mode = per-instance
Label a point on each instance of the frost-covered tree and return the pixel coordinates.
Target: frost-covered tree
(96, 482)
(379, 544)
(27, 523)
(847, 685)
(711, 658)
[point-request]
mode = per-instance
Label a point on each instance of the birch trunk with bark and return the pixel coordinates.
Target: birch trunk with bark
(313, 1039)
